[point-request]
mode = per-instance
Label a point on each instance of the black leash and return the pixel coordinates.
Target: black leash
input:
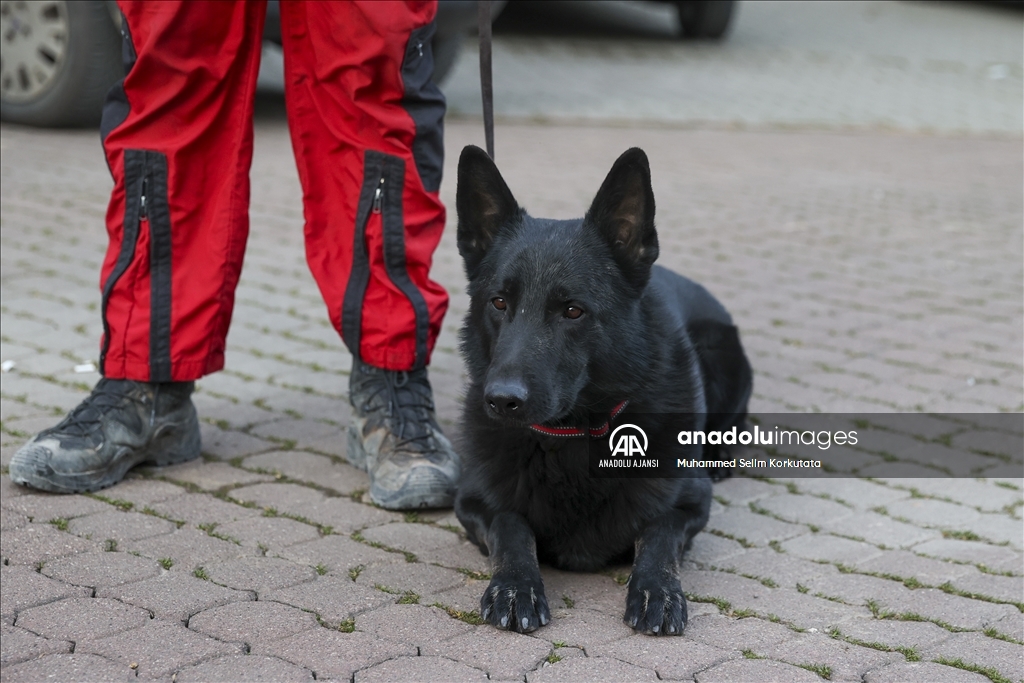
(486, 82)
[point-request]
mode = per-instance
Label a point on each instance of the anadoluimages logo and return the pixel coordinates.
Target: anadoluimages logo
(628, 442)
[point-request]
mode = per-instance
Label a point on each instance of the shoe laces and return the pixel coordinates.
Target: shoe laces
(407, 404)
(106, 395)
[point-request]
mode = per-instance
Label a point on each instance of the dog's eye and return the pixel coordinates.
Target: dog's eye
(498, 303)
(573, 312)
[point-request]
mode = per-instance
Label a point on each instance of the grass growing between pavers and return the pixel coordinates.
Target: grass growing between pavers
(122, 505)
(911, 654)
(153, 513)
(471, 617)
(407, 597)
(359, 538)
(739, 539)
(987, 671)
(209, 528)
(913, 583)
(823, 670)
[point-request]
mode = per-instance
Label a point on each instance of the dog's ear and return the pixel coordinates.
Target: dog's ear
(484, 204)
(623, 212)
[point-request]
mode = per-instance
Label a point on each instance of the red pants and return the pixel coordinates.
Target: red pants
(365, 123)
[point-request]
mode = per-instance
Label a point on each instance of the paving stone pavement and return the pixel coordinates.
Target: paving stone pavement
(873, 272)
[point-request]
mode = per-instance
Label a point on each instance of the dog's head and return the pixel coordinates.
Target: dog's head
(551, 300)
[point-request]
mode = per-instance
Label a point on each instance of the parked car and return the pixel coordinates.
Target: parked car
(58, 58)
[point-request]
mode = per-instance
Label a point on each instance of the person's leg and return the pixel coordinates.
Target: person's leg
(177, 133)
(366, 121)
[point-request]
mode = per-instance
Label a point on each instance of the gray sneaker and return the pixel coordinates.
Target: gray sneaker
(120, 425)
(395, 437)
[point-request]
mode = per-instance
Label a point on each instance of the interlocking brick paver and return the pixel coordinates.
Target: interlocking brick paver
(142, 492)
(1004, 588)
(10, 520)
(858, 589)
(847, 661)
(174, 596)
(268, 534)
(188, 548)
(998, 528)
(417, 669)
(199, 508)
(504, 655)
(39, 543)
(412, 537)
(978, 649)
(804, 509)
(333, 598)
(955, 610)
(211, 476)
(1011, 625)
(930, 512)
(977, 494)
(158, 649)
(756, 670)
(250, 622)
(101, 569)
(741, 523)
(907, 565)
(77, 619)
(419, 578)
(880, 530)
(583, 628)
(413, 624)
(464, 598)
(338, 554)
(279, 496)
(893, 633)
(1000, 558)
(259, 574)
(122, 527)
(596, 591)
(344, 515)
(737, 634)
(783, 568)
(590, 669)
(232, 668)
(297, 431)
(671, 658)
(19, 645)
(331, 654)
(227, 444)
(24, 588)
(861, 494)
(311, 468)
(709, 549)
(922, 672)
(828, 548)
(69, 667)
(42, 507)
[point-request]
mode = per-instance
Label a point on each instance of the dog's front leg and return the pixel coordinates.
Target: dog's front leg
(515, 598)
(655, 603)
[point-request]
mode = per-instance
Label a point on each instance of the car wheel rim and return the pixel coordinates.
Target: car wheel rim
(34, 42)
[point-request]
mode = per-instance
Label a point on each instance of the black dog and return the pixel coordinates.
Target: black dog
(570, 319)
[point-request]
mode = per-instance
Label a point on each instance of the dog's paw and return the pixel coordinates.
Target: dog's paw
(655, 604)
(515, 604)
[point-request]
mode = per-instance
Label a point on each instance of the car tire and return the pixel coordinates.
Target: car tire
(73, 94)
(705, 18)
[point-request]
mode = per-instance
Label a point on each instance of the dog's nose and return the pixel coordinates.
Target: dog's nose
(506, 398)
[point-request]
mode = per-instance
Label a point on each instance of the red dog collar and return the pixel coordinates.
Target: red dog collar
(596, 432)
